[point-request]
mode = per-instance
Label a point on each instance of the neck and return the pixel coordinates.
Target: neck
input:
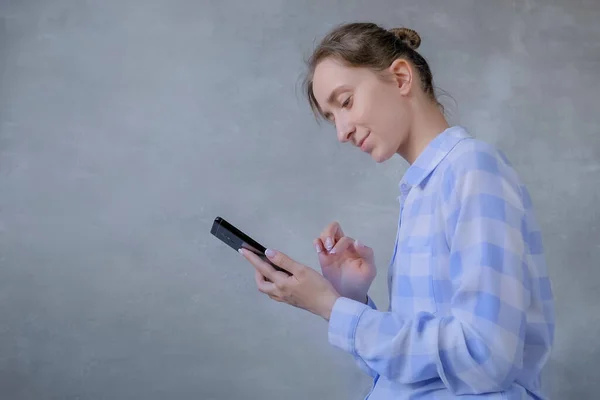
(427, 123)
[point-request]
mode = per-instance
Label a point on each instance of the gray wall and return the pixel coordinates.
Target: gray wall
(126, 126)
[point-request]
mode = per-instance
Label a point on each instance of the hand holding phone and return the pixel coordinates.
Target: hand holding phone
(308, 289)
(236, 239)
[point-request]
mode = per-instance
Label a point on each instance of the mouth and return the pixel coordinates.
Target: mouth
(361, 144)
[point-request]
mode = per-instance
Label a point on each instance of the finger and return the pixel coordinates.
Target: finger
(319, 247)
(342, 245)
(283, 261)
(258, 278)
(263, 267)
(276, 298)
(364, 251)
(263, 285)
(266, 287)
(331, 234)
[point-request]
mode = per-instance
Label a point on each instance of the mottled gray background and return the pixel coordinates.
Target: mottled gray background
(126, 126)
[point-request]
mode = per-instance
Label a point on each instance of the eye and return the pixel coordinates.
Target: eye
(346, 103)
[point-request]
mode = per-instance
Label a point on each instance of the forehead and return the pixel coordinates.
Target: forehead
(330, 74)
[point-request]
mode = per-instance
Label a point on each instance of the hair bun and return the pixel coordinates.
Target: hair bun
(408, 36)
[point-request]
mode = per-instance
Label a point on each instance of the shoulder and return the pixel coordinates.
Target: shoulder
(476, 167)
(473, 154)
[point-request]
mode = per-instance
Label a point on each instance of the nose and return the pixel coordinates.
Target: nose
(345, 129)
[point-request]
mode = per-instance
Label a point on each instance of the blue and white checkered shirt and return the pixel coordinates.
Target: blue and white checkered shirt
(471, 305)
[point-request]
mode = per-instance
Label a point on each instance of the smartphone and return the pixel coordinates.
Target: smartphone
(236, 239)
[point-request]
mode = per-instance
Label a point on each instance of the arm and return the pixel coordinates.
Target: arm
(479, 346)
(359, 361)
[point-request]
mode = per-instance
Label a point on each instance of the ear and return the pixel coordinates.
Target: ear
(402, 74)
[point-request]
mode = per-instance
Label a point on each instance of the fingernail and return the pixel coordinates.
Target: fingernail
(358, 244)
(270, 253)
(318, 248)
(332, 251)
(329, 243)
(240, 251)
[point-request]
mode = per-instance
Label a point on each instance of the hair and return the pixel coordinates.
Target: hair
(365, 44)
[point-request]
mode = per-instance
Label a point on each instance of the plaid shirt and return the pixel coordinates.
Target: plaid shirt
(471, 305)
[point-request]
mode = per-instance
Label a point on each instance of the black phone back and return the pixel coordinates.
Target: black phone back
(236, 239)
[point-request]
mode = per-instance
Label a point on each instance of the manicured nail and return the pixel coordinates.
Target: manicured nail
(270, 253)
(240, 251)
(332, 251)
(318, 248)
(329, 243)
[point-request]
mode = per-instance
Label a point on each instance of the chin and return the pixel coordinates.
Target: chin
(381, 156)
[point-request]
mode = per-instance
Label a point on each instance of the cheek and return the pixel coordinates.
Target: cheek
(362, 113)
(384, 115)
(367, 111)
(396, 122)
(386, 124)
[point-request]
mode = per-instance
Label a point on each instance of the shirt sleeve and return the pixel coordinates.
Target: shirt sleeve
(361, 364)
(478, 346)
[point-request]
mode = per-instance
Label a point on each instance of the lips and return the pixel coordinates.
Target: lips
(362, 142)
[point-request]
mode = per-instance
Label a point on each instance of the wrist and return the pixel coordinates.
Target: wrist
(360, 297)
(327, 305)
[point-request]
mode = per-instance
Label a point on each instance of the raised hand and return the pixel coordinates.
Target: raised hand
(345, 262)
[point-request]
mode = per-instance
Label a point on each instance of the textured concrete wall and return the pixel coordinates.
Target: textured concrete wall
(126, 126)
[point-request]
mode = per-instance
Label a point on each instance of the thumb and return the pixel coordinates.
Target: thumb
(282, 260)
(364, 251)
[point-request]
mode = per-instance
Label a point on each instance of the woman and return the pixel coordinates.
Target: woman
(471, 305)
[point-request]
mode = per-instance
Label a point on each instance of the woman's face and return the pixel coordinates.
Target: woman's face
(371, 112)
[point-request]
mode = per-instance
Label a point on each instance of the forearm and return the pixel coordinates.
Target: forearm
(426, 347)
(359, 361)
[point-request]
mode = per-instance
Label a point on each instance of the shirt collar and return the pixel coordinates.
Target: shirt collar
(432, 155)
